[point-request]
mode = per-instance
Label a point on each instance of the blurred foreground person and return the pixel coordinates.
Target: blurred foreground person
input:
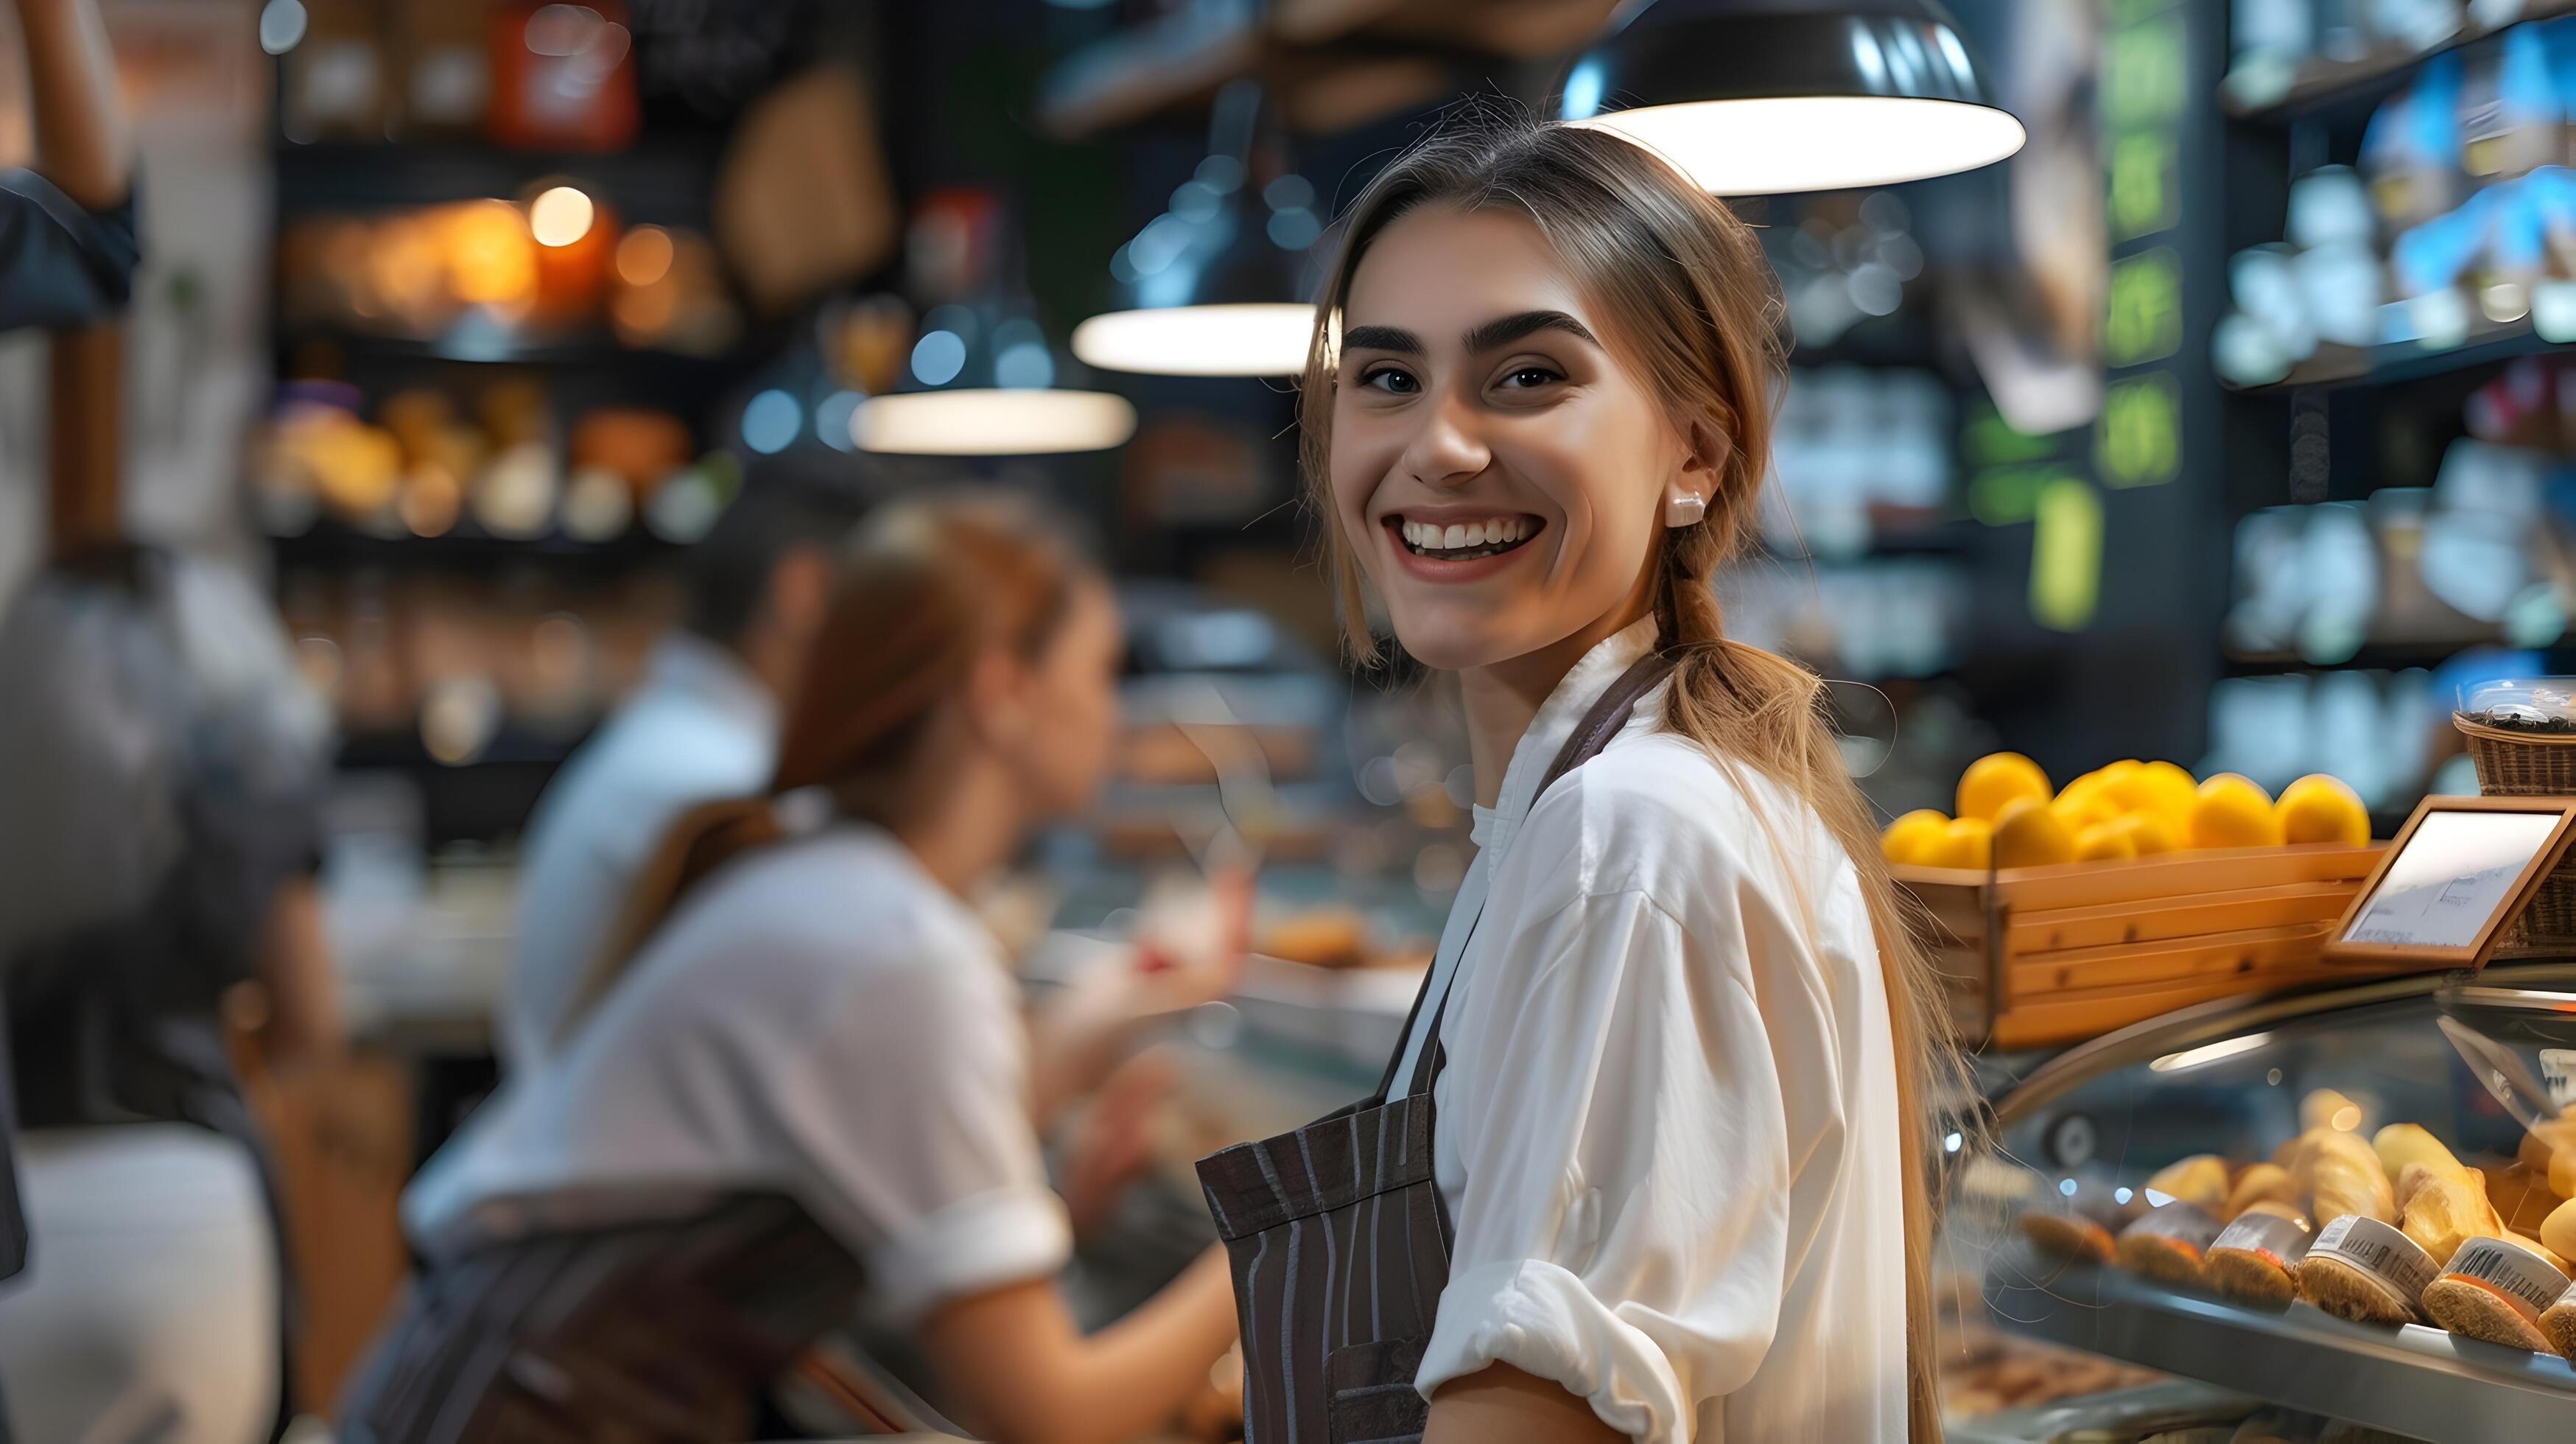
(802, 1004)
(165, 765)
(703, 726)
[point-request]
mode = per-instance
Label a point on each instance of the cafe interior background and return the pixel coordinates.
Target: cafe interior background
(460, 320)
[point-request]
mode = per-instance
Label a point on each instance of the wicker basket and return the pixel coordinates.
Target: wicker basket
(2529, 764)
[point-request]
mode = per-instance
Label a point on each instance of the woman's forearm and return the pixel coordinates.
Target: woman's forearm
(1502, 1405)
(1023, 1375)
(1075, 1041)
(82, 143)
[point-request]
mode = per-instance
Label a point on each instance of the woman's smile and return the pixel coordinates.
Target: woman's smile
(1448, 544)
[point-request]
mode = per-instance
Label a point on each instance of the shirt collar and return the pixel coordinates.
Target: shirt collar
(1557, 718)
(710, 674)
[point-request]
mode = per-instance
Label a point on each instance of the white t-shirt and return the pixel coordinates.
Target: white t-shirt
(699, 729)
(820, 1017)
(1667, 1131)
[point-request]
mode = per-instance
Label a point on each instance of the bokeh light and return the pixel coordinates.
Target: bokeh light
(561, 216)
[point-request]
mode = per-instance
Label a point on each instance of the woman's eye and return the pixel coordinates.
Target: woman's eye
(1527, 377)
(1392, 381)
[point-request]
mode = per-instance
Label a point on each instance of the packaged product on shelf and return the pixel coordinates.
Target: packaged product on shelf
(2496, 1290)
(2084, 1224)
(2254, 1258)
(2168, 1244)
(2362, 1269)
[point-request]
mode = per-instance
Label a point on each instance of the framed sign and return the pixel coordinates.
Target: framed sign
(2458, 871)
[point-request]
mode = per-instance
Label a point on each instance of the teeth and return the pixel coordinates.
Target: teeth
(1494, 532)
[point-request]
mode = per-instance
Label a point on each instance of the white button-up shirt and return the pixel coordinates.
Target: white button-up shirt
(821, 1018)
(1667, 1131)
(701, 727)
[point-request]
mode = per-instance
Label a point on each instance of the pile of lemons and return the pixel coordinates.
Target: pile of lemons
(2009, 816)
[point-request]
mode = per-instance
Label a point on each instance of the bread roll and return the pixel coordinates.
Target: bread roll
(2558, 1231)
(2341, 1175)
(2558, 1322)
(2262, 1183)
(2325, 1108)
(2444, 1207)
(2400, 1144)
(2082, 1225)
(2200, 1180)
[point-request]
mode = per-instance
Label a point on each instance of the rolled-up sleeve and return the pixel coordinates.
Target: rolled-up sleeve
(1613, 1094)
(942, 1177)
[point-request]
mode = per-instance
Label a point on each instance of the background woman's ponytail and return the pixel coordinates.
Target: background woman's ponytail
(1697, 312)
(924, 589)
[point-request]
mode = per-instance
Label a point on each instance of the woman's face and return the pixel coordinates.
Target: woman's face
(1500, 474)
(1067, 726)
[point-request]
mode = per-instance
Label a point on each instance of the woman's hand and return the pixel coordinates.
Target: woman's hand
(1113, 1145)
(1191, 943)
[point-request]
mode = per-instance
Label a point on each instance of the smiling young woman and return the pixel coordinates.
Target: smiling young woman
(1652, 1159)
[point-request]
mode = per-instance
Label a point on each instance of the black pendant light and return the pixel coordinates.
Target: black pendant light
(1759, 97)
(1210, 287)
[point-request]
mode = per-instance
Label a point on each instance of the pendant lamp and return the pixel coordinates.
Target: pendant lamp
(1760, 97)
(983, 382)
(1210, 286)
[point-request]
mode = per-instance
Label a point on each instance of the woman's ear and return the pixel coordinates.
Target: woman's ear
(997, 703)
(1710, 448)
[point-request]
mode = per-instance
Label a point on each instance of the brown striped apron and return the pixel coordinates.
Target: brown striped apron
(1337, 1233)
(660, 1331)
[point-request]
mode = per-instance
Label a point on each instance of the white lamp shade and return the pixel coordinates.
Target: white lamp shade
(992, 422)
(1248, 339)
(1779, 144)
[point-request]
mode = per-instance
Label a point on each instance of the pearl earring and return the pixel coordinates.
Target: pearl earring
(1684, 508)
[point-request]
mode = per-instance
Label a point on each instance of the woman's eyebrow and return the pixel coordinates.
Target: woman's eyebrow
(1382, 338)
(1503, 331)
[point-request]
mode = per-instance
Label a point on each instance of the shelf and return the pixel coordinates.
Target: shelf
(2335, 366)
(2319, 84)
(662, 179)
(514, 745)
(587, 350)
(2413, 1380)
(2373, 656)
(331, 546)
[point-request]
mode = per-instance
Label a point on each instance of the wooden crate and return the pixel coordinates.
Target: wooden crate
(2037, 956)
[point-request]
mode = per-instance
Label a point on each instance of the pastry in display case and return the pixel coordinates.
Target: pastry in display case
(2350, 1200)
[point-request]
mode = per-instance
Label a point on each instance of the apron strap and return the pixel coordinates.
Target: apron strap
(1593, 733)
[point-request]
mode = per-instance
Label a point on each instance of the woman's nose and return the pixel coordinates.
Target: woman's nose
(1447, 450)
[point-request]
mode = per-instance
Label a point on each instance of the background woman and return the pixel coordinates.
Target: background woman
(821, 1012)
(1673, 1041)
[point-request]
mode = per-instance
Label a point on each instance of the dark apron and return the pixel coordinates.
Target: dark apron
(660, 1331)
(1337, 1233)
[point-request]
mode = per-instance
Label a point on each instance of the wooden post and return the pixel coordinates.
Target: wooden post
(88, 400)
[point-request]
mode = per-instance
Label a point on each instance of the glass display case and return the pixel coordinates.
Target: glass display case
(2485, 1064)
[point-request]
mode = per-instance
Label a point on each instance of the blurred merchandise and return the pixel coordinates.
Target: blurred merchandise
(1843, 260)
(563, 76)
(2382, 732)
(1856, 451)
(484, 277)
(425, 468)
(804, 201)
(1885, 617)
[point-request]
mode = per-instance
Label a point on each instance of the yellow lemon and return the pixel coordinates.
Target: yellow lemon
(2233, 812)
(1910, 837)
(2087, 800)
(2149, 832)
(1998, 778)
(2155, 787)
(1967, 842)
(2319, 808)
(2030, 833)
(2104, 842)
